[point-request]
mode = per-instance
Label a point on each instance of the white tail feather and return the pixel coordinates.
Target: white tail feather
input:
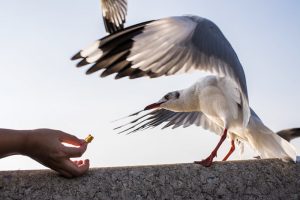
(267, 143)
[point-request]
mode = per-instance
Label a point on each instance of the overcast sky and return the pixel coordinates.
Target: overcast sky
(41, 88)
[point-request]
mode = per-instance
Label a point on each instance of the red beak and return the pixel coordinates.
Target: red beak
(152, 106)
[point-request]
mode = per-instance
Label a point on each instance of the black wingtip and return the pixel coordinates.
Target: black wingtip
(118, 76)
(82, 63)
(105, 74)
(92, 70)
(88, 72)
(76, 56)
(116, 128)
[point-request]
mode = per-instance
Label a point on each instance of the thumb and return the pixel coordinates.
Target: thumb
(73, 152)
(70, 139)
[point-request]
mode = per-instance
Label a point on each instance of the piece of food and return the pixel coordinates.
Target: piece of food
(89, 138)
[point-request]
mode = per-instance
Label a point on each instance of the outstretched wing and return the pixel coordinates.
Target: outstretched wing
(170, 119)
(165, 47)
(114, 14)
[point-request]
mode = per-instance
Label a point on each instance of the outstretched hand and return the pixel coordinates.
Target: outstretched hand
(45, 146)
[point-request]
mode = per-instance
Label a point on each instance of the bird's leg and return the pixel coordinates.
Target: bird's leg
(232, 148)
(208, 161)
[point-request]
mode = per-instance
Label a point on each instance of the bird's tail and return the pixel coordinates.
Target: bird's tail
(268, 144)
(289, 134)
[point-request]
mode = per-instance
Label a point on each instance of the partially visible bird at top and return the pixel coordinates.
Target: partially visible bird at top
(214, 103)
(114, 14)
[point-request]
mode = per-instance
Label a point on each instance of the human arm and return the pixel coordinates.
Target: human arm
(45, 146)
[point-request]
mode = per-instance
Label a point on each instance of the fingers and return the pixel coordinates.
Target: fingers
(70, 168)
(70, 139)
(74, 152)
(77, 168)
(64, 173)
(57, 166)
(78, 162)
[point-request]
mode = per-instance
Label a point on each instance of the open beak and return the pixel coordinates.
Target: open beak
(154, 105)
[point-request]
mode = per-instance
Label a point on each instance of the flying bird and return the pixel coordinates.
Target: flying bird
(214, 103)
(114, 14)
(166, 47)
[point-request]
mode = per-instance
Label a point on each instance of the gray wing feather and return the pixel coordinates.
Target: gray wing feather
(173, 119)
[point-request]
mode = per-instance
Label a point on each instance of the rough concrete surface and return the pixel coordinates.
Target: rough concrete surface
(255, 179)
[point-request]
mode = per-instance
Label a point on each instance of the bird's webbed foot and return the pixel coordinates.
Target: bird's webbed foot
(206, 162)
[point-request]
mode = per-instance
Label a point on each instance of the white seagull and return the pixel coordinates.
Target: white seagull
(114, 14)
(165, 47)
(169, 46)
(214, 103)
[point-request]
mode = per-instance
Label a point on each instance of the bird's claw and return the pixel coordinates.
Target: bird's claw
(206, 162)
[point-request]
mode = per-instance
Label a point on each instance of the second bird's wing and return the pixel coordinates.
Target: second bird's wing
(289, 134)
(114, 14)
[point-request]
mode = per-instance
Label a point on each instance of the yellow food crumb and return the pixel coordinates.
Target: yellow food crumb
(89, 138)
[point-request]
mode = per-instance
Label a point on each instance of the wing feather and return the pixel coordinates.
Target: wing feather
(174, 119)
(114, 14)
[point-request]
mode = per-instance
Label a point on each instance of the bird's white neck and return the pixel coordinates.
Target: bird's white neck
(188, 101)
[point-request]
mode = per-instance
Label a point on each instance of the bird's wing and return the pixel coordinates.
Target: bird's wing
(165, 47)
(289, 134)
(114, 14)
(170, 119)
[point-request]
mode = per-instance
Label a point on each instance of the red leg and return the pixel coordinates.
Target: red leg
(232, 148)
(208, 161)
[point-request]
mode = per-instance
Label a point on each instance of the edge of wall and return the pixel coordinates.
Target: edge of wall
(251, 179)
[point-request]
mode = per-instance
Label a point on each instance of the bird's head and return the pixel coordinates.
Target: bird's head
(170, 101)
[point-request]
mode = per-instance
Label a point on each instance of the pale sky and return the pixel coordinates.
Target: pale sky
(42, 88)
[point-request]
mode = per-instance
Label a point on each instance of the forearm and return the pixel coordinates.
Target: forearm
(11, 142)
(45, 146)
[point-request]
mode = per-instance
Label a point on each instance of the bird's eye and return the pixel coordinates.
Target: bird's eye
(166, 97)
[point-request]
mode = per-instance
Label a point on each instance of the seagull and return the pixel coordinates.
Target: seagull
(169, 46)
(164, 47)
(214, 103)
(114, 14)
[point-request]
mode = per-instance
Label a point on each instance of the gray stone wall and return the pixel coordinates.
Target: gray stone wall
(253, 179)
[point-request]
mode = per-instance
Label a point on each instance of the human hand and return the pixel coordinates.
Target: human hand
(45, 146)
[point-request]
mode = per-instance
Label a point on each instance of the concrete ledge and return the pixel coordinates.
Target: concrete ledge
(256, 179)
